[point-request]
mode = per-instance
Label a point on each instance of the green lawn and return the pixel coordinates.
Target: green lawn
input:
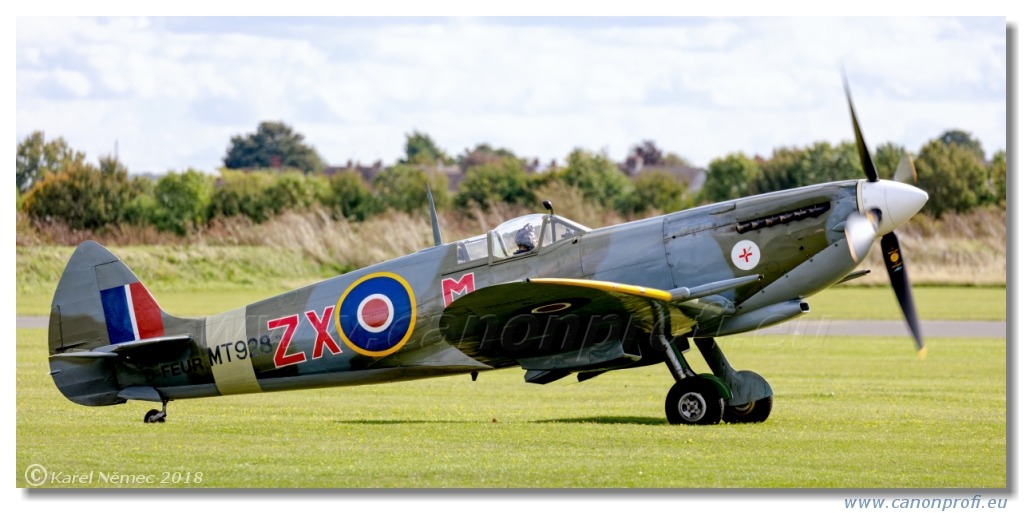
(933, 303)
(852, 413)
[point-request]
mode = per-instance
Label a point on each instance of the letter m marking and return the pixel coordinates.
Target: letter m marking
(452, 289)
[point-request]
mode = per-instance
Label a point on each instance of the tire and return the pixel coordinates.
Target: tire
(694, 401)
(757, 411)
(150, 417)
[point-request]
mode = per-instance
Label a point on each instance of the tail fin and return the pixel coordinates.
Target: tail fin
(99, 302)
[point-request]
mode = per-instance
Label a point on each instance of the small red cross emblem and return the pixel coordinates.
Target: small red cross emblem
(746, 255)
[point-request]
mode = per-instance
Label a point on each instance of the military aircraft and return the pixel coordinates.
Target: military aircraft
(539, 292)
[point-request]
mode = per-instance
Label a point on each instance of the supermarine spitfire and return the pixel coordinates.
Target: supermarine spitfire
(538, 292)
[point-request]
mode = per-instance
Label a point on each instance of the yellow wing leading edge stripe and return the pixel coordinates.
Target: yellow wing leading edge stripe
(609, 286)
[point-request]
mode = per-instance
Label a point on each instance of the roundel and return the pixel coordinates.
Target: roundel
(746, 255)
(376, 314)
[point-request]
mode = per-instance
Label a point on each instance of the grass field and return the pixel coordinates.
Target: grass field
(849, 413)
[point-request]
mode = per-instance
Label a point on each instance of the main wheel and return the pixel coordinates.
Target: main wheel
(694, 401)
(757, 411)
(151, 417)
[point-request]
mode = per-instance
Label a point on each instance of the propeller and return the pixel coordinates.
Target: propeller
(891, 253)
(905, 171)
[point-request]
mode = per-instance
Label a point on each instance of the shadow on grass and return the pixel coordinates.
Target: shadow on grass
(388, 422)
(643, 421)
(640, 421)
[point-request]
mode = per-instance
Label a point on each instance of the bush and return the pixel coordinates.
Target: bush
(242, 193)
(81, 196)
(350, 197)
(181, 201)
(596, 176)
(655, 190)
(729, 178)
(404, 188)
(502, 181)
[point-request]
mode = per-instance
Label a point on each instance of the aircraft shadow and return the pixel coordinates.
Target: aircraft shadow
(387, 422)
(640, 421)
(643, 421)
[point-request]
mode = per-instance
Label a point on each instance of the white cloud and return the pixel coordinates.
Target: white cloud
(699, 87)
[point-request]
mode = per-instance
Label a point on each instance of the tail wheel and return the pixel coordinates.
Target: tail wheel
(757, 411)
(154, 416)
(694, 401)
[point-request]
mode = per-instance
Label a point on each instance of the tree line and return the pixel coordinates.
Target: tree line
(273, 170)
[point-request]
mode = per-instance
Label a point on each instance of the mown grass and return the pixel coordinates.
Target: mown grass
(933, 303)
(849, 413)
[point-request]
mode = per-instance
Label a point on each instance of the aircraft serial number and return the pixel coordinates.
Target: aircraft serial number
(239, 350)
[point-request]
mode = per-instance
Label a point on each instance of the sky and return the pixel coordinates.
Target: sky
(169, 93)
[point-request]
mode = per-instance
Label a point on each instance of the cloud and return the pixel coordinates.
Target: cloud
(174, 90)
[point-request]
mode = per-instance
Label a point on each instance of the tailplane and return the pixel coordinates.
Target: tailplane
(100, 306)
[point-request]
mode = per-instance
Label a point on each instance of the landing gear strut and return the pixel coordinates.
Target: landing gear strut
(729, 395)
(692, 399)
(751, 399)
(154, 416)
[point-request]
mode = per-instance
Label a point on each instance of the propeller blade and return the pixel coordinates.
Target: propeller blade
(862, 148)
(901, 286)
(905, 171)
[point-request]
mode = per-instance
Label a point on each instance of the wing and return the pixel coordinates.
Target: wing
(559, 325)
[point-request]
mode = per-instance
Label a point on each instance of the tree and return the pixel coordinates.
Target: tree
(82, 196)
(36, 158)
(648, 153)
(501, 181)
(294, 191)
(482, 154)
(242, 193)
(350, 197)
(657, 190)
(953, 177)
(274, 145)
(182, 201)
(964, 140)
(596, 176)
(421, 150)
(998, 179)
(404, 188)
(818, 163)
(729, 178)
(674, 160)
(778, 172)
(887, 158)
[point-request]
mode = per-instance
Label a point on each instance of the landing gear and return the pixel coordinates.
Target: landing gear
(154, 416)
(751, 395)
(730, 395)
(756, 411)
(694, 401)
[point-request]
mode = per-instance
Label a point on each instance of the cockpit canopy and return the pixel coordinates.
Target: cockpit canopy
(520, 236)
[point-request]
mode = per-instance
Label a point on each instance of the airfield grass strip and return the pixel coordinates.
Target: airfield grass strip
(849, 413)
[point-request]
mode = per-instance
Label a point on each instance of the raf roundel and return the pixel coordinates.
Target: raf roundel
(376, 314)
